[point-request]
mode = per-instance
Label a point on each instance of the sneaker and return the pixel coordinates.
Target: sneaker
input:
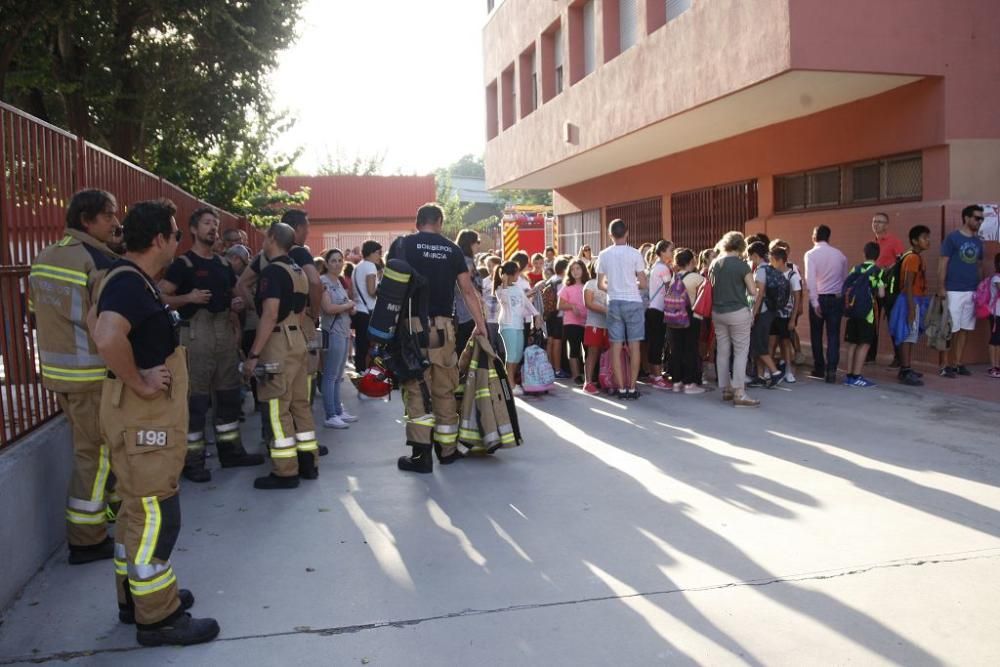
(335, 422)
(910, 379)
(775, 378)
(850, 380)
(518, 391)
(633, 394)
(863, 382)
(622, 394)
(562, 375)
(962, 370)
(347, 418)
(789, 377)
(677, 386)
(578, 381)
(948, 372)
(994, 372)
(757, 382)
(693, 389)
(591, 388)
(660, 383)
(745, 402)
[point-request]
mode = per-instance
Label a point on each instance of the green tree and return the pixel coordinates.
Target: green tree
(359, 165)
(169, 84)
(454, 210)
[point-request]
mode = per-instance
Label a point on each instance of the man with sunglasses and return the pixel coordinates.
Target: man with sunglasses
(144, 419)
(960, 269)
(64, 278)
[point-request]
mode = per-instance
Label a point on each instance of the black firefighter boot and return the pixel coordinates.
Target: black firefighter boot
(422, 460)
(126, 613)
(194, 466)
(233, 455)
(178, 629)
(307, 466)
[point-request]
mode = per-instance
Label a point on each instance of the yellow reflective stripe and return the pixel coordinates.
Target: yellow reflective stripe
(74, 374)
(65, 241)
(467, 434)
(59, 273)
(482, 393)
(507, 438)
(85, 518)
(308, 446)
(164, 580)
(289, 453)
(445, 439)
(101, 479)
(150, 530)
(473, 365)
(275, 415)
(395, 275)
(121, 568)
(426, 420)
(227, 436)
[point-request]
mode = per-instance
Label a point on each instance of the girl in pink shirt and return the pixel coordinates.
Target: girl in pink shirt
(574, 315)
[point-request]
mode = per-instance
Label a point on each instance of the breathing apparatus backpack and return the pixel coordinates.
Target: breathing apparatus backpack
(401, 351)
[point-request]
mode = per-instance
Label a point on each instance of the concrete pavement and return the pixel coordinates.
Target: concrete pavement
(832, 526)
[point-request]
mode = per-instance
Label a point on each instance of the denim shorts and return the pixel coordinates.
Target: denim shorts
(626, 321)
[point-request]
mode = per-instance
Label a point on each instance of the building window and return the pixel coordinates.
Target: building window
(492, 111)
(628, 24)
(528, 68)
(558, 58)
(897, 178)
(677, 7)
(576, 230)
(699, 218)
(589, 39)
(644, 219)
(508, 96)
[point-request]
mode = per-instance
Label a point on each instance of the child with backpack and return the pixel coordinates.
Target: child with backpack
(515, 309)
(783, 336)
(773, 294)
(864, 283)
(574, 312)
(994, 315)
(684, 329)
(551, 314)
(912, 302)
(595, 334)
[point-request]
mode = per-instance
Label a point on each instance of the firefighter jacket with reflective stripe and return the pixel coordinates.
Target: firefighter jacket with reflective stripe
(63, 281)
(488, 418)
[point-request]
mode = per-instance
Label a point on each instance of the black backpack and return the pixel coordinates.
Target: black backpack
(777, 289)
(893, 276)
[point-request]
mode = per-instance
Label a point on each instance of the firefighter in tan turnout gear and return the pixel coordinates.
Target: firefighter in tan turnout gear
(199, 285)
(144, 417)
(278, 357)
(431, 409)
(63, 280)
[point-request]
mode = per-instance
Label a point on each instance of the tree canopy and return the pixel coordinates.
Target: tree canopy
(177, 86)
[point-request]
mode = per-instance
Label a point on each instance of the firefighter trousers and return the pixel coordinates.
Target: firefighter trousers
(146, 439)
(213, 371)
(431, 408)
(286, 401)
(91, 487)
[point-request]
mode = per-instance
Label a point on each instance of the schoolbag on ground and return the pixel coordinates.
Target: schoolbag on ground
(536, 372)
(550, 301)
(985, 306)
(858, 301)
(893, 276)
(606, 376)
(677, 305)
(777, 289)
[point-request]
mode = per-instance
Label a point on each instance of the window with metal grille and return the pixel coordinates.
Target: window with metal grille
(628, 24)
(579, 229)
(643, 218)
(677, 7)
(699, 218)
(589, 39)
(897, 178)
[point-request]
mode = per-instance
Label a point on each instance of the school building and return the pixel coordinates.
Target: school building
(345, 211)
(689, 118)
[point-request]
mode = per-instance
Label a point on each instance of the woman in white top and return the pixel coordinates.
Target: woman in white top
(660, 277)
(365, 283)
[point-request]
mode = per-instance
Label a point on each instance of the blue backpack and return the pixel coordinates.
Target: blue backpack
(858, 300)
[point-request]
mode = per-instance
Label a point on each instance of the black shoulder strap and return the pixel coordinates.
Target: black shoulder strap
(127, 269)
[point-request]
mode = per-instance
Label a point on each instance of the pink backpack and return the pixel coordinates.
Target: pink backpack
(677, 305)
(605, 376)
(985, 306)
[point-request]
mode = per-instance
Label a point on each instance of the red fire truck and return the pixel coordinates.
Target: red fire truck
(527, 228)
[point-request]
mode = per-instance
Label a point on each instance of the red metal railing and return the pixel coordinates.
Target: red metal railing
(699, 218)
(42, 166)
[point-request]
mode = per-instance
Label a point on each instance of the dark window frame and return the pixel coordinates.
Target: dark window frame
(846, 195)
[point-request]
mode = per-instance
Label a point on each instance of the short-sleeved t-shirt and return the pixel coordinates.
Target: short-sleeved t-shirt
(964, 254)
(275, 283)
(660, 278)
(913, 263)
(364, 301)
(594, 318)
(340, 323)
(729, 292)
(301, 255)
(995, 294)
(212, 274)
(621, 264)
(134, 296)
(889, 248)
(438, 261)
(795, 285)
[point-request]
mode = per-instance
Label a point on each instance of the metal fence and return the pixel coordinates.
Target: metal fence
(42, 166)
(699, 218)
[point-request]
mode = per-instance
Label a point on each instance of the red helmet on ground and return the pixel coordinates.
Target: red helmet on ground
(375, 383)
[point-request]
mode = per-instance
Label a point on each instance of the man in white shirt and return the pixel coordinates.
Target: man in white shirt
(621, 272)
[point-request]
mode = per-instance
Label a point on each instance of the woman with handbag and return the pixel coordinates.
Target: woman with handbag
(338, 307)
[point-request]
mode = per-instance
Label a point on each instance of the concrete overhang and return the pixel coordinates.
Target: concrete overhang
(787, 96)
